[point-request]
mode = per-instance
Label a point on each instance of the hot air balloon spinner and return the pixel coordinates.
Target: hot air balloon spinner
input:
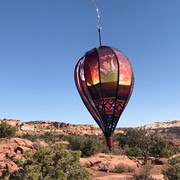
(104, 79)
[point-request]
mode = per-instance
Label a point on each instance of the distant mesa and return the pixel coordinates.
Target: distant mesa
(162, 125)
(42, 126)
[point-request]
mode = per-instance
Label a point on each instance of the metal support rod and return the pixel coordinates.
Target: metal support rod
(99, 21)
(99, 36)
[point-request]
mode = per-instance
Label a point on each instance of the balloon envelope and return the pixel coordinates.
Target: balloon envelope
(104, 79)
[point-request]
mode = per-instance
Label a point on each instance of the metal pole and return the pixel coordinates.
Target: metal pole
(99, 21)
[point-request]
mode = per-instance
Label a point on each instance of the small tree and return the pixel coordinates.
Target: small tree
(6, 130)
(138, 142)
(172, 172)
(162, 147)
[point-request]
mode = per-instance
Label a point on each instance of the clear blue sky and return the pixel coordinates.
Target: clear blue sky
(42, 40)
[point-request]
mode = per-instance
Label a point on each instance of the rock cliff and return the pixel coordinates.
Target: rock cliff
(54, 127)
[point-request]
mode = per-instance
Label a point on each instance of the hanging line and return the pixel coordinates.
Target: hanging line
(99, 21)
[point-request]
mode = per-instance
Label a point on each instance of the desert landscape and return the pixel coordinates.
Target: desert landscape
(102, 166)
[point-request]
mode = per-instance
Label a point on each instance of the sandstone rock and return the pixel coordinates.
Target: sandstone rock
(158, 177)
(85, 162)
(12, 122)
(11, 150)
(111, 176)
(108, 162)
(22, 149)
(2, 157)
(23, 142)
(39, 143)
(2, 165)
(11, 166)
(10, 154)
(27, 127)
(159, 161)
(14, 142)
(162, 125)
(17, 157)
(6, 149)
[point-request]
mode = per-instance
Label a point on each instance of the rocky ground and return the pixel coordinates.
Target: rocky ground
(98, 175)
(13, 149)
(102, 166)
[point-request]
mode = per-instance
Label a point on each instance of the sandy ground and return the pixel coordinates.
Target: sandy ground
(98, 175)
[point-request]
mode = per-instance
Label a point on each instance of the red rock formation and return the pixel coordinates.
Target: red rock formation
(109, 162)
(11, 150)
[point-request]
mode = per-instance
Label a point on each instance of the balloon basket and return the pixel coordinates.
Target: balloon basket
(110, 142)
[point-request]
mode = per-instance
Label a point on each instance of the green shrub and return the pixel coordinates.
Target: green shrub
(175, 160)
(31, 137)
(121, 168)
(138, 142)
(51, 163)
(6, 130)
(172, 172)
(162, 147)
(48, 137)
(88, 145)
(144, 173)
(76, 142)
